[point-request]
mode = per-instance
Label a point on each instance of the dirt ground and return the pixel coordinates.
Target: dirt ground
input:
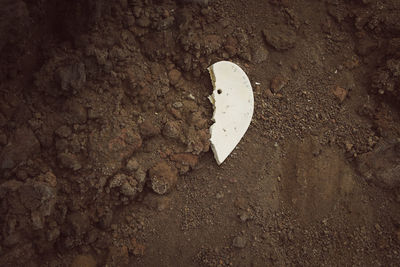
(105, 157)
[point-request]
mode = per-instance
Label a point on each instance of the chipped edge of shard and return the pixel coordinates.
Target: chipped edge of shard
(212, 100)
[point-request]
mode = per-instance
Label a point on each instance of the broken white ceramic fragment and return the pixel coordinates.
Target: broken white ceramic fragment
(233, 103)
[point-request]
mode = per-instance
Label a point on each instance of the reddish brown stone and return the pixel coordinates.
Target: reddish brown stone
(278, 82)
(340, 93)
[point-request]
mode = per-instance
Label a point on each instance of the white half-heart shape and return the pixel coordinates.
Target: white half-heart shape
(233, 103)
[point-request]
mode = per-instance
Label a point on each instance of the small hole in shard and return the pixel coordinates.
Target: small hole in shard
(219, 91)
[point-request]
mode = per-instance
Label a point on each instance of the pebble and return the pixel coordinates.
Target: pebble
(340, 93)
(239, 242)
(349, 146)
(177, 105)
(269, 93)
(244, 217)
(277, 83)
(219, 195)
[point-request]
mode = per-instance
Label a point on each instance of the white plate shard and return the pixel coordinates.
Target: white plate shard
(233, 103)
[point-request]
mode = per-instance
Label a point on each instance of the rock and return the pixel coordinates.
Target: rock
(163, 177)
(349, 146)
(239, 242)
(244, 216)
(174, 76)
(69, 161)
(20, 148)
(280, 37)
(268, 93)
(277, 83)
(72, 77)
(132, 164)
(260, 54)
(149, 129)
(84, 261)
(340, 93)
